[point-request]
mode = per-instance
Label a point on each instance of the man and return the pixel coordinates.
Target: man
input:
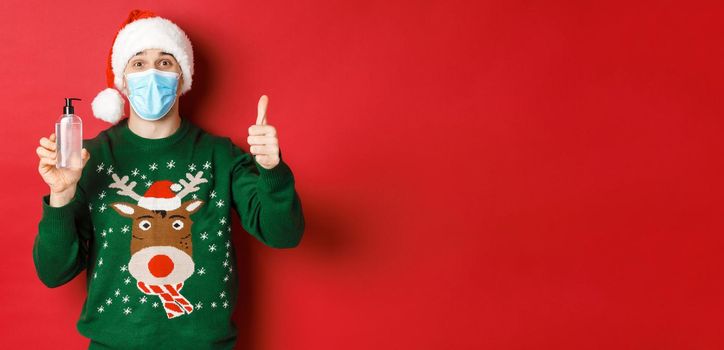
(149, 218)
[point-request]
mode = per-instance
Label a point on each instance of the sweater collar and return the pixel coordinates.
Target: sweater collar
(147, 143)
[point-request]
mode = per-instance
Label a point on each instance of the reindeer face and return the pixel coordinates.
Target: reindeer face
(161, 245)
(160, 227)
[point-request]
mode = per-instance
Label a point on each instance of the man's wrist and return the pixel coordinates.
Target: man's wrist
(62, 198)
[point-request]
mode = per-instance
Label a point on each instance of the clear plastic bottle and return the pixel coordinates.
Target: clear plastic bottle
(69, 137)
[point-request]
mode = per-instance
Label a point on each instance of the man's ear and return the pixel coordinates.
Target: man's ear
(180, 84)
(124, 87)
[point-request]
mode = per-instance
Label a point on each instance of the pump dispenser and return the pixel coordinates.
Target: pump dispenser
(69, 137)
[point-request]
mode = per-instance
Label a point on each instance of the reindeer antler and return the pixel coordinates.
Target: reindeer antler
(124, 189)
(190, 186)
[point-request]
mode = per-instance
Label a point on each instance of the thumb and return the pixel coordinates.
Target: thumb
(85, 155)
(261, 110)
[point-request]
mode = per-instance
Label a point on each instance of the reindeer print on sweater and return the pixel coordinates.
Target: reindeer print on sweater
(153, 212)
(161, 244)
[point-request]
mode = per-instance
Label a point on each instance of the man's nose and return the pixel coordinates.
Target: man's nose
(160, 265)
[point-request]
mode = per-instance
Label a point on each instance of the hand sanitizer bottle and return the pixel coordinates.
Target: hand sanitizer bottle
(69, 137)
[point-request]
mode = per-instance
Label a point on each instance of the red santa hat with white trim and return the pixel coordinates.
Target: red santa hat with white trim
(142, 30)
(161, 196)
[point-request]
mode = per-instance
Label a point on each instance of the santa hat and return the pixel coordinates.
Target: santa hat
(161, 196)
(141, 30)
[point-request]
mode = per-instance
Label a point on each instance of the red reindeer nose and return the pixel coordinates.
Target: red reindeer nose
(160, 265)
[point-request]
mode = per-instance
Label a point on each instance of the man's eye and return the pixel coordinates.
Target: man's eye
(137, 64)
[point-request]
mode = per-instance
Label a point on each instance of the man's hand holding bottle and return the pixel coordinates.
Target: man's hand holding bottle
(62, 181)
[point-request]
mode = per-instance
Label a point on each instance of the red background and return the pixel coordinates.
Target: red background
(474, 174)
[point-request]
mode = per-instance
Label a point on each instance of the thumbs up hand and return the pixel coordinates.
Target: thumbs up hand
(262, 139)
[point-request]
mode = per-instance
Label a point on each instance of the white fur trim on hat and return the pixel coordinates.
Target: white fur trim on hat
(108, 105)
(153, 203)
(152, 33)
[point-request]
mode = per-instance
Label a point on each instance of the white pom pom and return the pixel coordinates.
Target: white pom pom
(108, 105)
(176, 187)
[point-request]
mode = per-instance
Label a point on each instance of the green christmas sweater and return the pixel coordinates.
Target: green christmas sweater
(150, 223)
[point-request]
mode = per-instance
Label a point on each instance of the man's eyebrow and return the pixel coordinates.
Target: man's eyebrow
(162, 53)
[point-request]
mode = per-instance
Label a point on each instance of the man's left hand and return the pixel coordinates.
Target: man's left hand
(263, 142)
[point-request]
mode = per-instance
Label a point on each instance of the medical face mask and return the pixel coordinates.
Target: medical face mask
(152, 92)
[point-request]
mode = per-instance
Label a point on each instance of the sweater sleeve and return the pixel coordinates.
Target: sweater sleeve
(60, 251)
(268, 205)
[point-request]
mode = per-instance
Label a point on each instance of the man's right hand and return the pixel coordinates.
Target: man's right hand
(63, 181)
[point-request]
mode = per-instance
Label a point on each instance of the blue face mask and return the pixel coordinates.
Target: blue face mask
(152, 92)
